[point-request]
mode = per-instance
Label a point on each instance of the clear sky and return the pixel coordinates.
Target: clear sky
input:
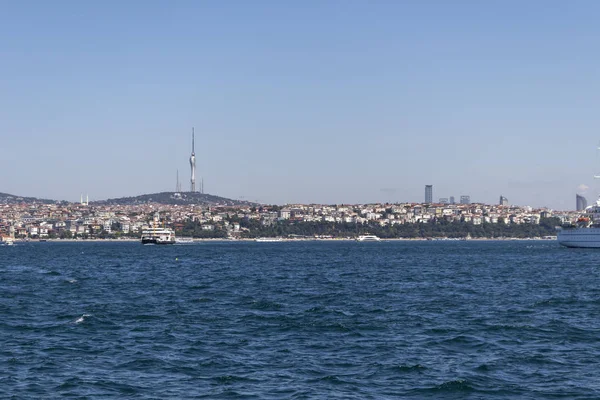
(306, 101)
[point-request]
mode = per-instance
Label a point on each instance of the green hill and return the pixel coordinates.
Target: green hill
(183, 198)
(6, 198)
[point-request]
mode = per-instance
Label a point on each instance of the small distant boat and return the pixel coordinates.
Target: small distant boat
(6, 241)
(368, 238)
(268, 239)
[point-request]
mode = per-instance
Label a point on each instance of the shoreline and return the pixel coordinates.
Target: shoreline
(199, 240)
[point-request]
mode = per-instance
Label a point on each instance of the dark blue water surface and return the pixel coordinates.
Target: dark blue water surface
(301, 320)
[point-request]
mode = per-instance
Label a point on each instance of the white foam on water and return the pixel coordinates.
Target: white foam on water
(82, 318)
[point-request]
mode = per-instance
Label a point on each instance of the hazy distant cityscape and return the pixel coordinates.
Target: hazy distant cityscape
(199, 215)
(220, 218)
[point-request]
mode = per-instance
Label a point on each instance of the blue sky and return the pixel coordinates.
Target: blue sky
(309, 101)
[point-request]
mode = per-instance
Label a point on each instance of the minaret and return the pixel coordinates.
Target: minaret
(193, 166)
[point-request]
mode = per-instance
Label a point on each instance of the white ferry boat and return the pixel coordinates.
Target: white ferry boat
(585, 233)
(6, 241)
(268, 239)
(155, 235)
(368, 238)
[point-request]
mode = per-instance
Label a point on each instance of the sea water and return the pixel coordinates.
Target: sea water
(300, 320)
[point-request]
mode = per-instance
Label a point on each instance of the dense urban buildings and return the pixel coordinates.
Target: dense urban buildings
(75, 220)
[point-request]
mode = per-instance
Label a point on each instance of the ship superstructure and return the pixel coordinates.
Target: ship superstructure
(156, 234)
(585, 232)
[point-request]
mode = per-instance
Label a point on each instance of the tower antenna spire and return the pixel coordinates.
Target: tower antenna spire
(193, 166)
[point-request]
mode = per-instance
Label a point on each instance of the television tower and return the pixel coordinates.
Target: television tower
(193, 166)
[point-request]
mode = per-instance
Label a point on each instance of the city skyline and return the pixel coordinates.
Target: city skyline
(319, 102)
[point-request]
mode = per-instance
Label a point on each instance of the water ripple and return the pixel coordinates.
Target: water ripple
(481, 320)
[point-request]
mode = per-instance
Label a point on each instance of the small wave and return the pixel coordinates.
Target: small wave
(70, 383)
(509, 327)
(463, 341)
(148, 317)
(334, 326)
(82, 318)
(72, 281)
(266, 305)
(455, 385)
(328, 379)
(227, 379)
(556, 301)
(345, 313)
(484, 368)
(203, 300)
(410, 368)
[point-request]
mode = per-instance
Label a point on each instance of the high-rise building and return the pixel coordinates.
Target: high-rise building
(193, 166)
(581, 202)
(443, 200)
(465, 199)
(177, 183)
(452, 200)
(503, 201)
(428, 194)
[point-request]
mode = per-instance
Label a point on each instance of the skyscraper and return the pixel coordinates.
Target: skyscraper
(428, 194)
(452, 200)
(177, 183)
(581, 202)
(503, 201)
(193, 166)
(465, 199)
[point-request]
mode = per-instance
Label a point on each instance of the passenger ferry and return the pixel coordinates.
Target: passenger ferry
(268, 239)
(156, 235)
(368, 238)
(585, 232)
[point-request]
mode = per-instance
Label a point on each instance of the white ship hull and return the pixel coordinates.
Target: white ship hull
(158, 236)
(264, 239)
(579, 237)
(368, 238)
